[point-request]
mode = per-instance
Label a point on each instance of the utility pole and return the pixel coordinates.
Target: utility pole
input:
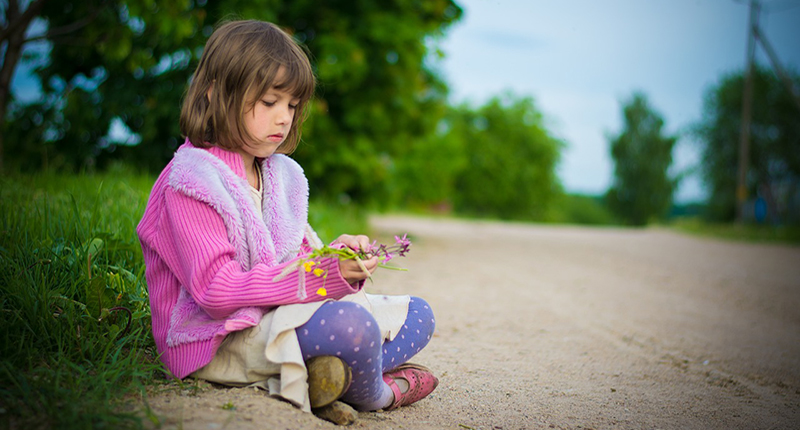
(754, 35)
(744, 135)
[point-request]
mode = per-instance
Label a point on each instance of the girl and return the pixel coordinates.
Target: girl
(227, 220)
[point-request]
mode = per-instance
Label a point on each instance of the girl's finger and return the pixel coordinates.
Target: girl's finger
(363, 242)
(371, 264)
(348, 241)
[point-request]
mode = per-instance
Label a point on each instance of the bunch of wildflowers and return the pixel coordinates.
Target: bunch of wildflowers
(387, 252)
(311, 263)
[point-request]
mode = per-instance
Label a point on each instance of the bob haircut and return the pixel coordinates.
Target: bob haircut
(241, 61)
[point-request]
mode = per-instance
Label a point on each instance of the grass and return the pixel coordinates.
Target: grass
(73, 302)
(763, 233)
(76, 339)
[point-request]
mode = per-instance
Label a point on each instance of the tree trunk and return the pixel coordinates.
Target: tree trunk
(10, 60)
(14, 37)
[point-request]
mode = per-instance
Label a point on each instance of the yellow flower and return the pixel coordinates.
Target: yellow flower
(318, 272)
(322, 292)
(308, 265)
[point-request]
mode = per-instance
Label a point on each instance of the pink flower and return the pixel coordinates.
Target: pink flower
(402, 241)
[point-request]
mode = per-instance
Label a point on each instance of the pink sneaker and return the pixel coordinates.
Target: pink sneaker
(421, 382)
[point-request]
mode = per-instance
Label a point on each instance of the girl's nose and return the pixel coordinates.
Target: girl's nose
(285, 116)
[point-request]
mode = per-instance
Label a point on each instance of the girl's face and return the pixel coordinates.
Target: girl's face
(269, 122)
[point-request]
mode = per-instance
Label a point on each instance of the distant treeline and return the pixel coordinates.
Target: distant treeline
(381, 131)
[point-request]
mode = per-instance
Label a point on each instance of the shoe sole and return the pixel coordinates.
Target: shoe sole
(338, 413)
(328, 379)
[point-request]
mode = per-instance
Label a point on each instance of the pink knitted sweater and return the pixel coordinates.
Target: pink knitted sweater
(211, 259)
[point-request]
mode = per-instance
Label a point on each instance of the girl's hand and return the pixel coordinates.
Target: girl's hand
(352, 272)
(350, 269)
(356, 243)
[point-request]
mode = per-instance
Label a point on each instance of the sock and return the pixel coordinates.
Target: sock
(384, 401)
(402, 384)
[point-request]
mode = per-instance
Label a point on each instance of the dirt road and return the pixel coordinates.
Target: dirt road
(570, 327)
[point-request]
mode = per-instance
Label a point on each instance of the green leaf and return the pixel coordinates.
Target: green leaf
(94, 247)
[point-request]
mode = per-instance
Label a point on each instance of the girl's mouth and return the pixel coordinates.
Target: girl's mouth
(275, 138)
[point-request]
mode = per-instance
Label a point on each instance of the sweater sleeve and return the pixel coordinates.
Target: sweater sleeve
(193, 242)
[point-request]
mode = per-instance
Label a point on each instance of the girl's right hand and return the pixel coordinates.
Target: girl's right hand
(353, 273)
(350, 269)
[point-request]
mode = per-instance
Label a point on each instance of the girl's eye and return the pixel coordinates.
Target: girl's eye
(268, 104)
(292, 107)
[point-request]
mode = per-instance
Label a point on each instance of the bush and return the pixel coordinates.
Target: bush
(582, 209)
(495, 161)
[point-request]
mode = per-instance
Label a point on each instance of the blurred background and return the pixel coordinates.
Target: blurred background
(681, 114)
(616, 112)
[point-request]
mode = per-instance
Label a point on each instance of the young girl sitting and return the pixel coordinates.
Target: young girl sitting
(226, 223)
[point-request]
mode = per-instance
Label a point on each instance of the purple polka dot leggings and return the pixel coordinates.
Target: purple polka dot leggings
(347, 330)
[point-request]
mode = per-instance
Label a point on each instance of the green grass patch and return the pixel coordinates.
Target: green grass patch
(74, 308)
(73, 303)
(740, 232)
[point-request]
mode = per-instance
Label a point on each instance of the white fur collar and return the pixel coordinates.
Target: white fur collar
(271, 237)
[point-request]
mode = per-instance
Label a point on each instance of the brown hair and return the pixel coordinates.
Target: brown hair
(241, 62)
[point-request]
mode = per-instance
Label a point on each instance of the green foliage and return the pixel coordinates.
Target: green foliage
(120, 59)
(581, 209)
(377, 95)
(642, 189)
(507, 167)
(380, 130)
(133, 60)
(774, 167)
(497, 160)
(331, 219)
(73, 303)
(426, 177)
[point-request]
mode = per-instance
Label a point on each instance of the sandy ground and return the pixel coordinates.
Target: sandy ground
(571, 327)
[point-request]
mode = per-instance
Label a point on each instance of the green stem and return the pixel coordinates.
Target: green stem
(399, 269)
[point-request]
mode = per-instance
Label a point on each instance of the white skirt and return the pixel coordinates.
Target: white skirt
(268, 355)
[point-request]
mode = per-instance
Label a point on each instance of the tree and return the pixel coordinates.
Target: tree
(377, 94)
(131, 62)
(426, 176)
(774, 167)
(107, 60)
(642, 188)
(510, 162)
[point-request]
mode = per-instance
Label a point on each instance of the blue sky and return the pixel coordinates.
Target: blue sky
(580, 59)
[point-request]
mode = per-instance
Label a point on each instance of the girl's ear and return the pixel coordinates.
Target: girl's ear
(210, 90)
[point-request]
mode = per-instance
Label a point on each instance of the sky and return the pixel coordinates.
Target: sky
(581, 60)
